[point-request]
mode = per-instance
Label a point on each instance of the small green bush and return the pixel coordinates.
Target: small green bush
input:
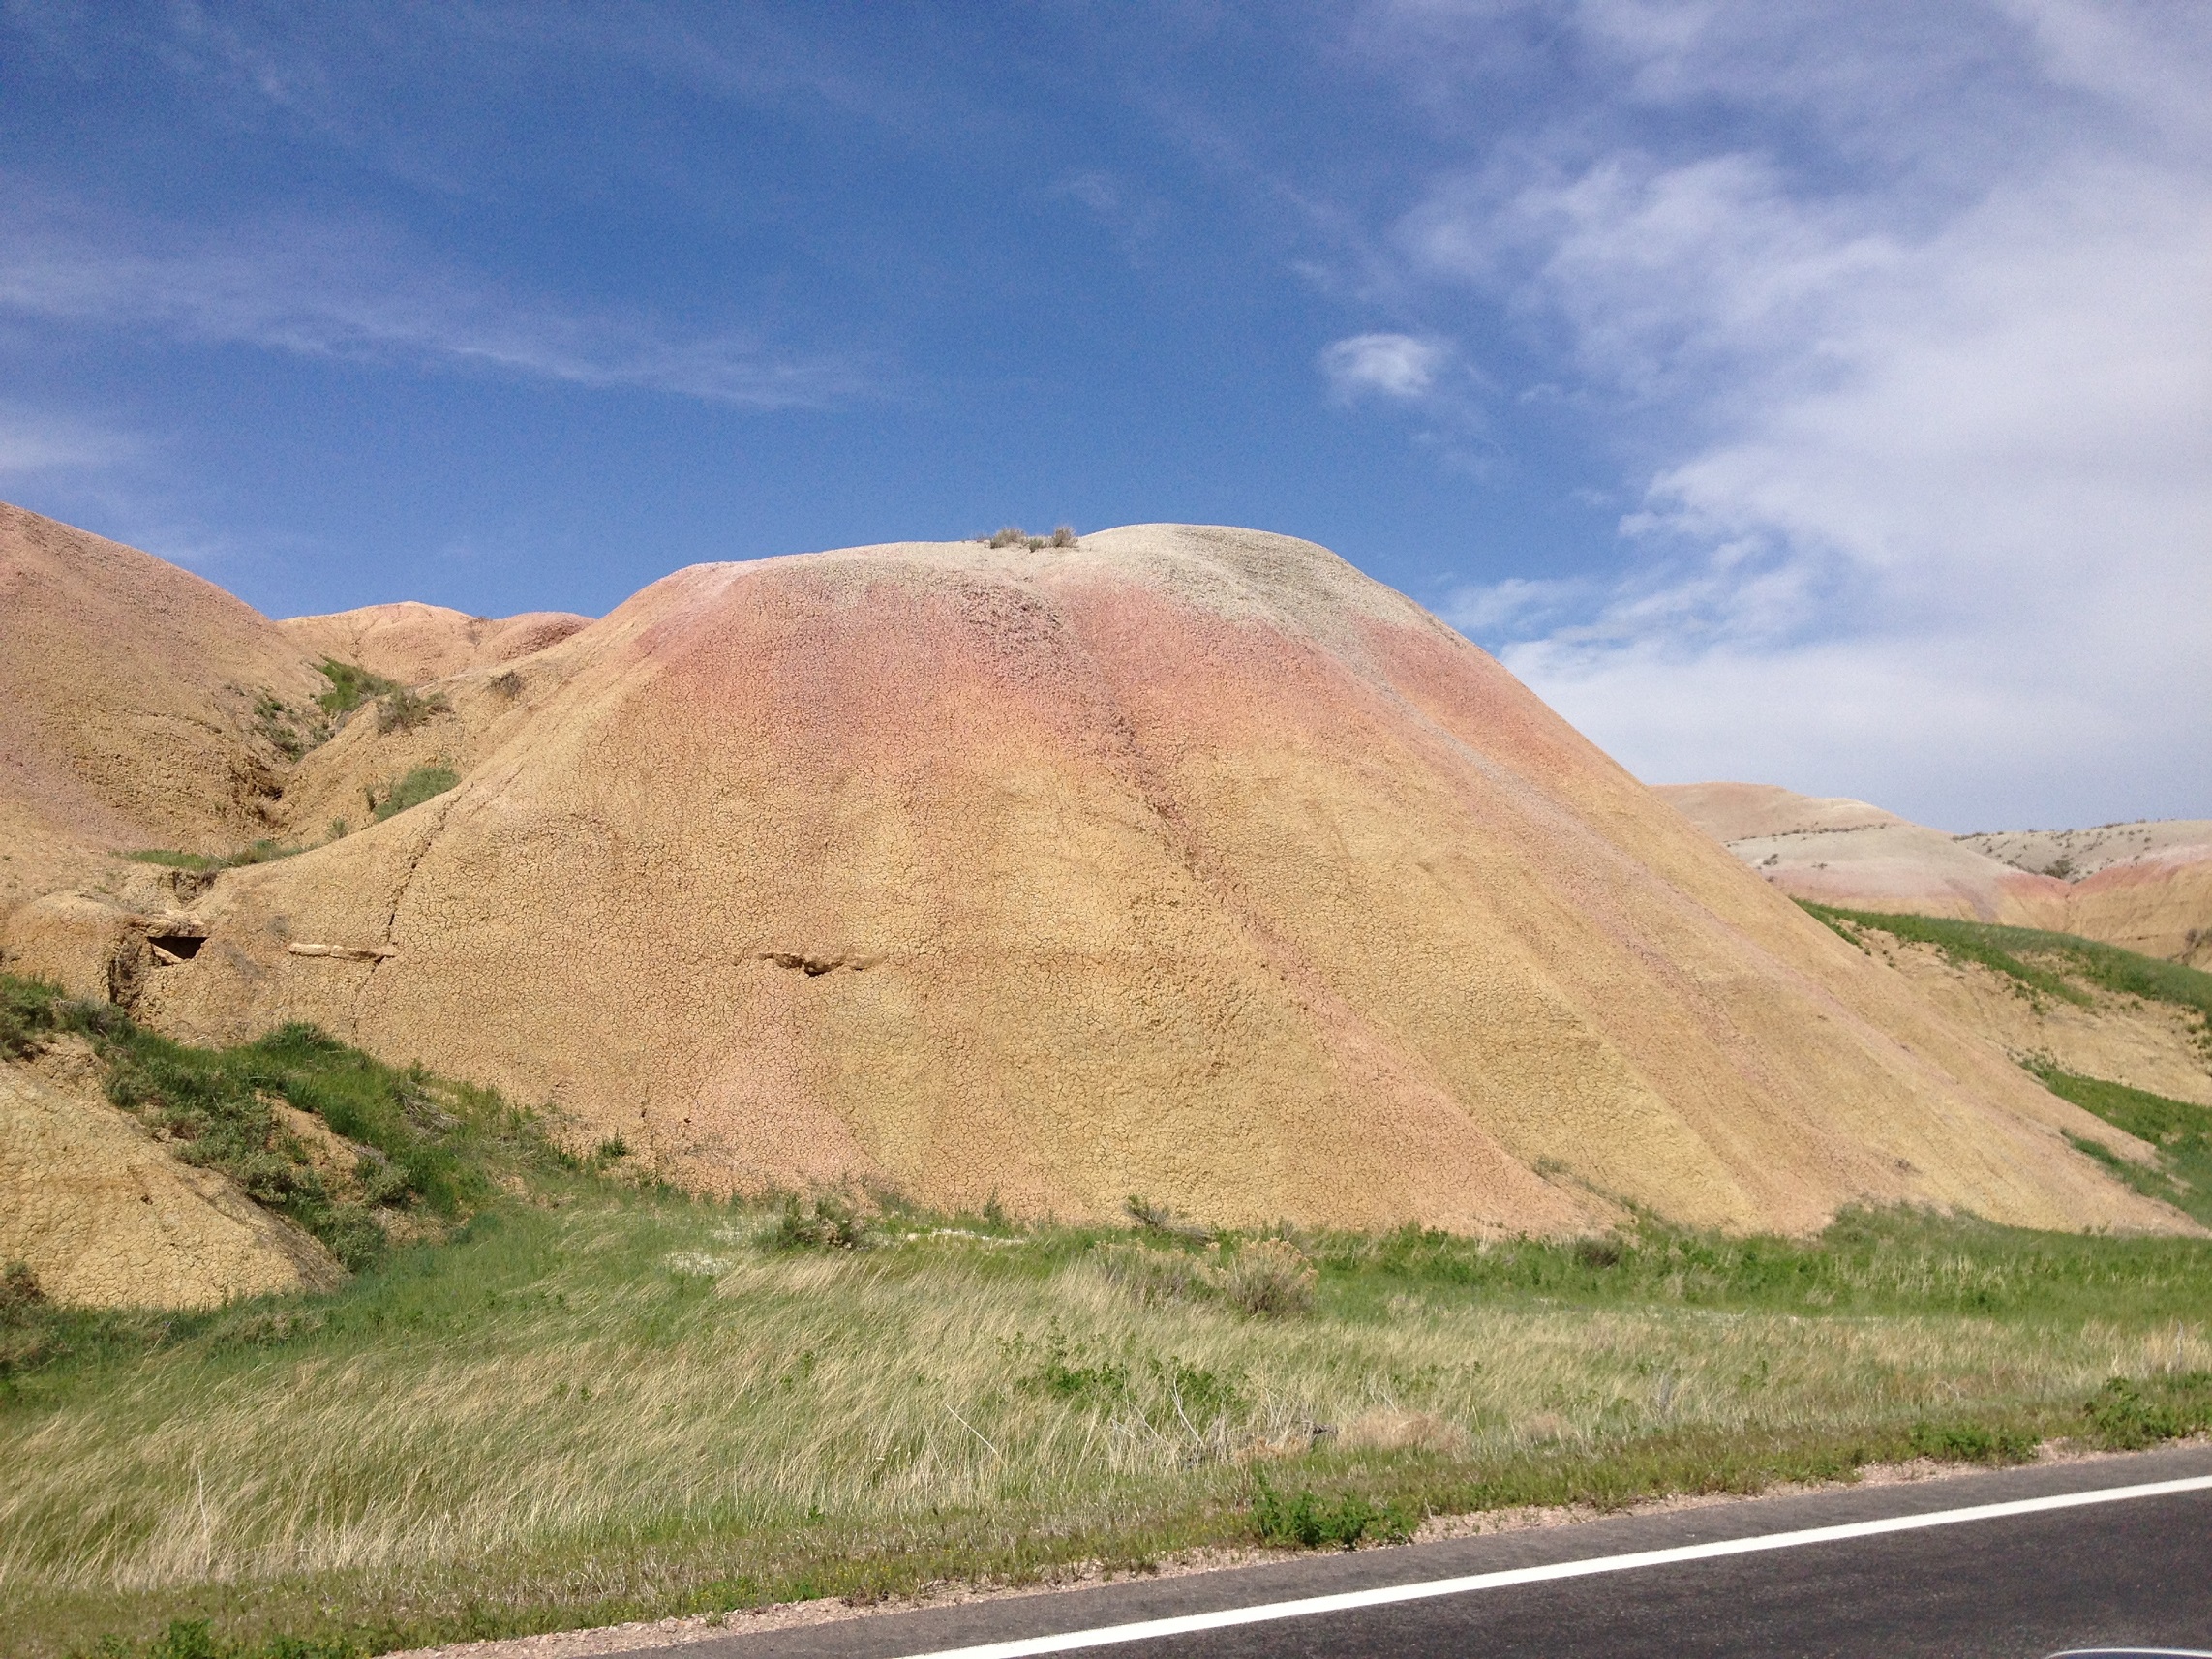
(27, 1012)
(422, 784)
(1308, 1522)
(1967, 1443)
(20, 1291)
(2126, 1416)
(351, 686)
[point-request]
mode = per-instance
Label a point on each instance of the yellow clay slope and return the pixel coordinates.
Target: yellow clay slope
(1187, 863)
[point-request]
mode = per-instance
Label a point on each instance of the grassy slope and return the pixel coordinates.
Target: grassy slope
(2062, 965)
(2058, 964)
(595, 1400)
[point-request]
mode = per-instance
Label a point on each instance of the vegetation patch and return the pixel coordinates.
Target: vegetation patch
(420, 1146)
(824, 1223)
(2054, 964)
(1960, 942)
(419, 785)
(351, 686)
(290, 731)
(2181, 1131)
(401, 709)
(1310, 1523)
(261, 852)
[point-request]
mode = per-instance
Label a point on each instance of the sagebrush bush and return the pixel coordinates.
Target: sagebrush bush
(403, 711)
(1010, 535)
(821, 1223)
(1064, 536)
(1159, 1219)
(1268, 1279)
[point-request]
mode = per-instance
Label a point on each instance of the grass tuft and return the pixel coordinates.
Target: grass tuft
(262, 852)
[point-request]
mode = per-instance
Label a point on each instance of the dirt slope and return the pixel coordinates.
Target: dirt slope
(128, 704)
(2147, 887)
(413, 643)
(2121, 1039)
(1186, 861)
(104, 1217)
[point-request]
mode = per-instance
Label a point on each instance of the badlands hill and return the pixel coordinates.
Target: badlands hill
(412, 642)
(1184, 861)
(2146, 886)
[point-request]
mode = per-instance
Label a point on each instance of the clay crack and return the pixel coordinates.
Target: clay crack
(813, 967)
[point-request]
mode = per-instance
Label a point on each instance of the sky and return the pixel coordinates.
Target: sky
(1808, 394)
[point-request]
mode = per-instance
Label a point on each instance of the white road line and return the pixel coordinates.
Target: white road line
(1111, 1635)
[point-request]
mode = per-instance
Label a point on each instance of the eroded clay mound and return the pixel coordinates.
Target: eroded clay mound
(132, 701)
(1185, 863)
(2146, 886)
(413, 643)
(103, 1216)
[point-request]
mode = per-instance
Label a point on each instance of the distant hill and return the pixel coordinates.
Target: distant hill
(412, 642)
(2145, 885)
(1183, 861)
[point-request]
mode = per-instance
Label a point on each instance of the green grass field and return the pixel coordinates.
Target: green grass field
(582, 1400)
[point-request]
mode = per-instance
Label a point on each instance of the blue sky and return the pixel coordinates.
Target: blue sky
(1812, 394)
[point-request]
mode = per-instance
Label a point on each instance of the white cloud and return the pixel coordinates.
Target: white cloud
(1401, 365)
(1931, 522)
(355, 291)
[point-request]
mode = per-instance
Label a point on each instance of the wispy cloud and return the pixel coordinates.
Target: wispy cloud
(35, 445)
(359, 292)
(1932, 515)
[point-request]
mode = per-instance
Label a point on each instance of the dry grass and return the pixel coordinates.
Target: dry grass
(614, 1409)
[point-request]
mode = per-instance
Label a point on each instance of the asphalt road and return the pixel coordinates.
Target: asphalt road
(2134, 1572)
